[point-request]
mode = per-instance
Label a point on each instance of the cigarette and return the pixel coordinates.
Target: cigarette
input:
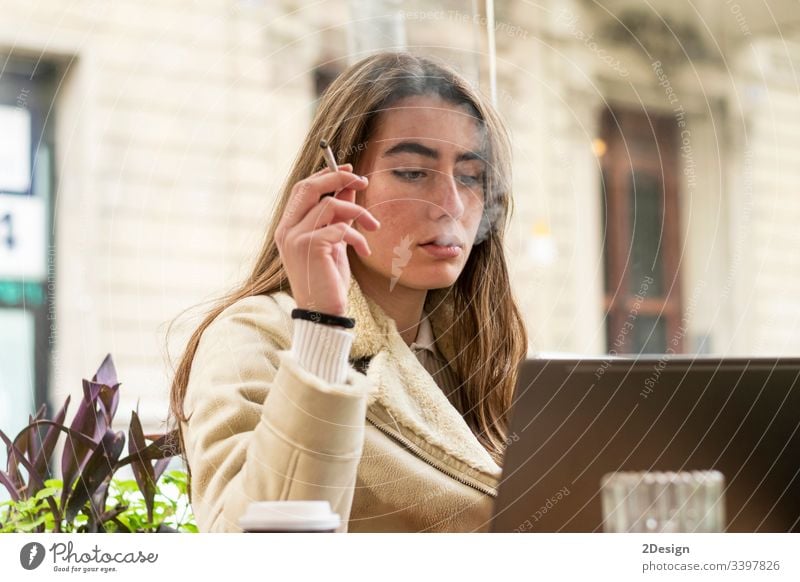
(328, 153)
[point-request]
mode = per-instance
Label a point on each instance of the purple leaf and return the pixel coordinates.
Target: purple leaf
(163, 447)
(41, 462)
(161, 466)
(34, 438)
(77, 451)
(21, 443)
(41, 412)
(27, 442)
(103, 400)
(11, 466)
(106, 373)
(99, 497)
(142, 469)
(100, 465)
(72, 433)
(112, 516)
(34, 479)
(5, 479)
(101, 427)
(74, 440)
(91, 390)
(109, 400)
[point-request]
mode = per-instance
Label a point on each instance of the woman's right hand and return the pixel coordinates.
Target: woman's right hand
(313, 234)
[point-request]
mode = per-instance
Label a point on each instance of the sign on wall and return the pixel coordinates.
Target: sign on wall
(15, 149)
(23, 237)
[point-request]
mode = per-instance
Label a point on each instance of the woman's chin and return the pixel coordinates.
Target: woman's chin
(431, 277)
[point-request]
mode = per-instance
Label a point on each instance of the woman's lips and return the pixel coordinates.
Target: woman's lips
(442, 251)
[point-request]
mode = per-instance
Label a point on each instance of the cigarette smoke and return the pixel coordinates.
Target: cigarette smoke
(491, 214)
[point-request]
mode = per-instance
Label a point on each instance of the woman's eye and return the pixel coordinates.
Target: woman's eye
(409, 175)
(470, 181)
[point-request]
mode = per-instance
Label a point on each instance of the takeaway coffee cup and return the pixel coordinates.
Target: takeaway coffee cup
(289, 517)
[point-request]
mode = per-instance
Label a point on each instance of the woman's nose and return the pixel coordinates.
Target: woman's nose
(446, 200)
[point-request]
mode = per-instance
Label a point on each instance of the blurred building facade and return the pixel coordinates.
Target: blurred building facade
(656, 169)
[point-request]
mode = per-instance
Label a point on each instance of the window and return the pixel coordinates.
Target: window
(640, 232)
(26, 180)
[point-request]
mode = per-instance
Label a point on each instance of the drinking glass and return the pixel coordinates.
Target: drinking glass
(689, 501)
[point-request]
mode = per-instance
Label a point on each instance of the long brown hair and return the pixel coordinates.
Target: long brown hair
(488, 330)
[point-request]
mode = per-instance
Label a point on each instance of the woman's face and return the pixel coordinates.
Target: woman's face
(424, 161)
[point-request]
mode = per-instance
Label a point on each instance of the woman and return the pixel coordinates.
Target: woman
(400, 421)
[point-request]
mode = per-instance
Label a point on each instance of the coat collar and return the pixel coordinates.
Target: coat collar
(374, 327)
(405, 389)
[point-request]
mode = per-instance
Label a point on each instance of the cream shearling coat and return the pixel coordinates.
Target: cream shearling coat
(386, 448)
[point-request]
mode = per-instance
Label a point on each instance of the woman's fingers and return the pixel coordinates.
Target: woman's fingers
(306, 193)
(331, 210)
(341, 167)
(335, 233)
(311, 231)
(326, 169)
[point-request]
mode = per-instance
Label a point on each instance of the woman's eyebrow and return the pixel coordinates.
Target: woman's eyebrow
(411, 147)
(414, 147)
(468, 156)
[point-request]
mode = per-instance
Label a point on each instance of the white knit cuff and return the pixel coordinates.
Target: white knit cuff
(323, 350)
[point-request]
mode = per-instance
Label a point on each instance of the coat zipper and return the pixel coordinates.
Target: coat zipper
(420, 454)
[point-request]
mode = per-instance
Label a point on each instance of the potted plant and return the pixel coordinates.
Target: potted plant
(89, 496)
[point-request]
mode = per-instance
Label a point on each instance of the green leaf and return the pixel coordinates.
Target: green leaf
(47, 492)
(125, 486)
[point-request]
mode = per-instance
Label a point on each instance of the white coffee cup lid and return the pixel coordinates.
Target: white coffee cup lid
(289, 516)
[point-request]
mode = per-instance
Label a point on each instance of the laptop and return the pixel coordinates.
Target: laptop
(574, 420)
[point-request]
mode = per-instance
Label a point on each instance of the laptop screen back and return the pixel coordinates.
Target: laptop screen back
(575, 420)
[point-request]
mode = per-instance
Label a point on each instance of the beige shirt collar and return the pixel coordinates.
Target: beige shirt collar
(424, 339)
